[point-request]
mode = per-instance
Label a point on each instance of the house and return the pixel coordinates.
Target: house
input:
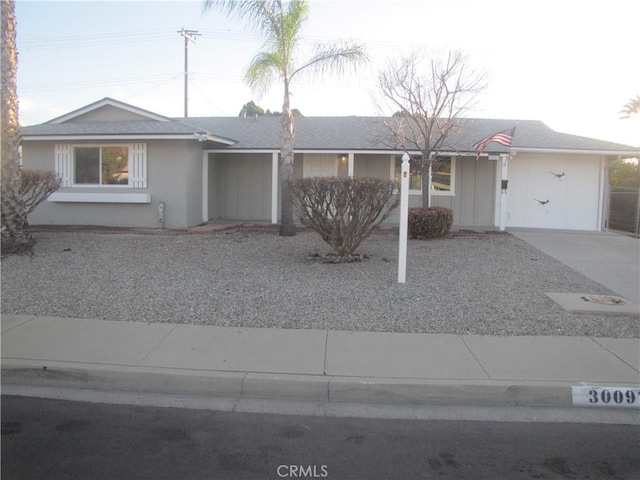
(125, 166)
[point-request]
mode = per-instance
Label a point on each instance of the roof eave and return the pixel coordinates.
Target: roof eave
(114, 103)
(113, 136)
(628, 153)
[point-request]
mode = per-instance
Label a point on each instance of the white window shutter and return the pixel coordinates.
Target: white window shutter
(138, 166)
(64, 163)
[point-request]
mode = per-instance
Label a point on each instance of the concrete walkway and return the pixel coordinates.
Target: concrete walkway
(610, 259)
(319, 365)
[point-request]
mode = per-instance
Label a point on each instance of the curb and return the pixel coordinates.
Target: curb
(318, 388)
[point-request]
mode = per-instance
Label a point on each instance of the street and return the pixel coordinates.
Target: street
(56, 439)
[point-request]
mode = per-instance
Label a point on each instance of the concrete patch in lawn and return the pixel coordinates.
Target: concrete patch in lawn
(579, 303)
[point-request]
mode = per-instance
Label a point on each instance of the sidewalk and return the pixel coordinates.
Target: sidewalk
(319, 365)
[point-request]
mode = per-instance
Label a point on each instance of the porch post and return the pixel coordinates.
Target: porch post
(274, 187)
(350, 165)
(504, 158)
(205, 186)
(404, 219)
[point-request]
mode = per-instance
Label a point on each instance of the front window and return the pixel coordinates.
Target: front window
(441, 174)
(102, 165)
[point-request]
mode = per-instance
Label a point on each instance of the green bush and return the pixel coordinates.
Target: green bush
(431, 222)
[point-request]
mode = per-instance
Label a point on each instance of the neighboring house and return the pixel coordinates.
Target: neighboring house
(120, 163)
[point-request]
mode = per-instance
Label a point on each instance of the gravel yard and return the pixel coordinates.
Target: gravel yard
(487, 285)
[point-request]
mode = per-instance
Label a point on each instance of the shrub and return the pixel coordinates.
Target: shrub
(431, 222)
(343, 211)
(36, 186)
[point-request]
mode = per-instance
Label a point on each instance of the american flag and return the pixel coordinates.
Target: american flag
(504, 138)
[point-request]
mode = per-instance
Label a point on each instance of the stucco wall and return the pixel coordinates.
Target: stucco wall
(166, 159)
(108, 113)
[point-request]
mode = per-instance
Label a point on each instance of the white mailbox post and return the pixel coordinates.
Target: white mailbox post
(404, 219)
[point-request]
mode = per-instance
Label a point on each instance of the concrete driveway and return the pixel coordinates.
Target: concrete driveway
(610, 259)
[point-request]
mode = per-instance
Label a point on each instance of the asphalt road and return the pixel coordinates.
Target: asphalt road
(58, 439)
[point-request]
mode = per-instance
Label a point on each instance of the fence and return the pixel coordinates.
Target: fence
(624, 209)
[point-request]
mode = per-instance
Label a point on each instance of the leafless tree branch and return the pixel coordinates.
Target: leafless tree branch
(427, 99)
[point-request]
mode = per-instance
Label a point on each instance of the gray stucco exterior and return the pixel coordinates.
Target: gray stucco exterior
(175, 173)
(204, 169)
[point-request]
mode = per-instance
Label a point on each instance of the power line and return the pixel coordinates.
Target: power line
(155, 86)
(95, 83)
(207, 98)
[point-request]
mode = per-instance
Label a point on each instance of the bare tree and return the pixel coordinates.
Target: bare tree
(428, 98)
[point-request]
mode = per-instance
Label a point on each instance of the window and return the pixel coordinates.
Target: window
(101, 165)
(108, 165)
(441, 174)
(415, 177)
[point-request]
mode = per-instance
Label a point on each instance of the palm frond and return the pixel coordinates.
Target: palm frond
(631, 108)
(276, 20)
(334, 58)
(262, 70)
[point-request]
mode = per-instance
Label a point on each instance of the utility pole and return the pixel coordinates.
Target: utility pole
(189, 36)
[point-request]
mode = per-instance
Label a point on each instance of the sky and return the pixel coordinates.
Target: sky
(571, 64)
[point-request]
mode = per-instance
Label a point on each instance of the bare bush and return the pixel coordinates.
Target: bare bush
(343, 211)
(36, 186)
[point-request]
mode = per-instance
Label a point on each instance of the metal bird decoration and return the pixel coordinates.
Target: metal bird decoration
(542, 202)
(558, 175)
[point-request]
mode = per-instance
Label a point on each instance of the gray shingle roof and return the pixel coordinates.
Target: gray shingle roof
(328, 133)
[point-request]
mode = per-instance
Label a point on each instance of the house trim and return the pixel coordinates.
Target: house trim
(73, 197)
(114, 103)
(118, 137)
(275, 161)
(633, 153)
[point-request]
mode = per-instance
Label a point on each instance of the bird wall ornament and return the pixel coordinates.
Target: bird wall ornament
(542, 202)
(558, 175)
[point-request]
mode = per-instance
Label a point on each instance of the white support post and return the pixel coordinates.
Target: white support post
(274, 187)
(350, 165)
(205, 187)
(404, 219)
(504, 159)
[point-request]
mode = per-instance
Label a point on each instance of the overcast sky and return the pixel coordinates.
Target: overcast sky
(572, 64)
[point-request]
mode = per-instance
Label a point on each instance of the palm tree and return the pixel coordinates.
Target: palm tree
(14, 232)
(631, 108)
(280, 23)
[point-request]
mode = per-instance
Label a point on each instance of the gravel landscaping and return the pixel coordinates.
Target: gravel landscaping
(485, 284)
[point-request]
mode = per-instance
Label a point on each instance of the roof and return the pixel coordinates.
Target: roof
(312, 133)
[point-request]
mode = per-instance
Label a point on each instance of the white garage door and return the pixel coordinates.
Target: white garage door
(554, 191)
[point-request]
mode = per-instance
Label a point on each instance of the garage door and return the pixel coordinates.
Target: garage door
(547, 191)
